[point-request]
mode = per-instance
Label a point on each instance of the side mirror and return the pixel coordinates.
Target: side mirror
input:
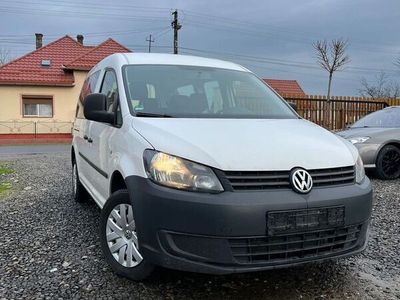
(293, 105)
(94, 108)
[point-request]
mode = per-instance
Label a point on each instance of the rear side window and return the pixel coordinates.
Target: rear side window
(87, 89)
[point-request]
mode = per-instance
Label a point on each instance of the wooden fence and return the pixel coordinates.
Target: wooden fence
(343, 111)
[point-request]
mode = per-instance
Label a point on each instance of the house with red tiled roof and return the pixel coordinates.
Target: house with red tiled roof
(39, 91)
(285, 87)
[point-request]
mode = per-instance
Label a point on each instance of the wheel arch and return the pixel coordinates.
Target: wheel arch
(395, 143)
(73, 155)
(117, 182)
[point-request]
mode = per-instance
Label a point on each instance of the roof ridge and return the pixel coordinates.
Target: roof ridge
(112, 40)
(95, 48)
(280, 79)
(39, 49)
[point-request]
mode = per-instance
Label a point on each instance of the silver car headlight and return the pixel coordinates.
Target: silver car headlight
(359, 140)
(360, 172)
(180, 173)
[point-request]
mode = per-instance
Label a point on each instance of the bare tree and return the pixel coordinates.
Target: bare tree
(5, 56)
(382, 87)
(331, 57)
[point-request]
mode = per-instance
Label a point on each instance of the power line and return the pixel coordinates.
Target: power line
(78, 14)
(87, 4)
(27, 37)
(236, 22)
(282, 62)
(289, 72)
(195, 19)
(163, 32)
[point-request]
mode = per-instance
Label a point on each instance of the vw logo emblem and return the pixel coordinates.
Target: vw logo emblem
(301, 181)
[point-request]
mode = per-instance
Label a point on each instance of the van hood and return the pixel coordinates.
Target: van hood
(247, 144)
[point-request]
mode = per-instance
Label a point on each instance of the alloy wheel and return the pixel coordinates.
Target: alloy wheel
(391, 162)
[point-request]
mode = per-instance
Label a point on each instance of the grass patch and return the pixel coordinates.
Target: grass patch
(4, 185)
(5, 170)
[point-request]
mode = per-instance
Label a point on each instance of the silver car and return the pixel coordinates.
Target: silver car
(377, 138)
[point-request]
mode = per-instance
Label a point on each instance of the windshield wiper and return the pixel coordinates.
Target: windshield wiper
(151, 115)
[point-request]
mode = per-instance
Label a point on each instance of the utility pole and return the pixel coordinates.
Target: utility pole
(150, 40)
(175, 24)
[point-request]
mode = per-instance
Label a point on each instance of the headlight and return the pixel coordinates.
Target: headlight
(179, 173)
(359, 140)
(360, 172)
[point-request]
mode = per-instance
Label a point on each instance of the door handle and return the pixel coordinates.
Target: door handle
(85, 137)
(90, 140)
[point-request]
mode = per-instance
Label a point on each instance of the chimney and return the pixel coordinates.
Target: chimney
(39, 40)
(79, 38)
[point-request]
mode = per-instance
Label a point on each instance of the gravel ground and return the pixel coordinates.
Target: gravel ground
(49, 248)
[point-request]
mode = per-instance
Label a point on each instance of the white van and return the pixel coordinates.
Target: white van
(198, 165)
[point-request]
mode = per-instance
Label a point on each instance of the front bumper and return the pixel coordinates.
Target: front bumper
(227, 232)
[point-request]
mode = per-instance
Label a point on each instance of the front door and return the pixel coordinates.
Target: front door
(101, 134)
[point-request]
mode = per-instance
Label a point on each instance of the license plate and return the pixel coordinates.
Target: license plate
(279, 222)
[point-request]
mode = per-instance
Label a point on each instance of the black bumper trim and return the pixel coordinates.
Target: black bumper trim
(159, 210)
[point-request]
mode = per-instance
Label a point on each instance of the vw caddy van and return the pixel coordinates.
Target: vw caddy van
(198, 165)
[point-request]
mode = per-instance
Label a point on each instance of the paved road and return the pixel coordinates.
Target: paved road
(33, 149)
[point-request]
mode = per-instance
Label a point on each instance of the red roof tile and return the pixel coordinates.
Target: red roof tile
(92, 57)
(28, 70)
(285, 86)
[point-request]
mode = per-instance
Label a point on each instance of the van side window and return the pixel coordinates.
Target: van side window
(109, 87)
(88, 88)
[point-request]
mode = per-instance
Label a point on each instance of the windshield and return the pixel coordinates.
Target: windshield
(386, 118)
(200, 92)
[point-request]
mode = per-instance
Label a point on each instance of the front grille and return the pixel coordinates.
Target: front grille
(289, 248)
(262, 180)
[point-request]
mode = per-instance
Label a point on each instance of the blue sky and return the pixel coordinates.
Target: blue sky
(272, 38)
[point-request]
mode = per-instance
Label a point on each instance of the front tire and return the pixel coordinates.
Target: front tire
(388, 163)
(119, 240)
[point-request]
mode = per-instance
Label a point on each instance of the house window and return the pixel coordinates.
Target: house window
(37, 106)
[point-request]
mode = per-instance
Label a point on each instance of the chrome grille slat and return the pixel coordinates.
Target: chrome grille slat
(333, 179)
(275, 183)
(262, 180)
(316, 174)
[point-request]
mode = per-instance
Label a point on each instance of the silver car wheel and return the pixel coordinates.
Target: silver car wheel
(75, 179)
(121, 236)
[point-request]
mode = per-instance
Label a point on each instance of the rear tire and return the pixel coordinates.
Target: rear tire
(78, 190)
(118, 238)
(388, 163)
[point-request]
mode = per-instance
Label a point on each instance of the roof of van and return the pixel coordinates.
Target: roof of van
(174, 59)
